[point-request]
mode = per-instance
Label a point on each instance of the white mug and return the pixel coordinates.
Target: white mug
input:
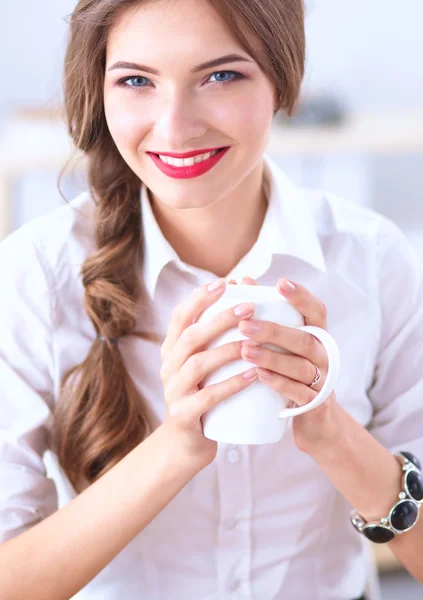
(258, 414)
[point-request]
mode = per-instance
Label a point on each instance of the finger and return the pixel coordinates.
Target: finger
(199, 335)
(294, 391)
(313, 309)
(232, 282)
(247, 280)
(188, 310)
(294, 340)
(191, 408)
(186, 379)
(296, 368)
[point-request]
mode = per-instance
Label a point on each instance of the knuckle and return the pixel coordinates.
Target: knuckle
(200, 294)
(167, 397)
(174, 409)
(308, 342)
(306, 371)
(176, 314)
(234, 350)
(323, 309)
(207, 397)
(274, 359)
(223, 320)
(201, 291)
(230, 351)
(163, 371)
(195, 363)
(188, 336)
(273, 331)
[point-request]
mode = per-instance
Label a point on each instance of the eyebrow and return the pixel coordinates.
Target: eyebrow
(229, 58)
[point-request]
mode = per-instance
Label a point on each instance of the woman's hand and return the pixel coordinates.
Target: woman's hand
(186, 363)
(291, 374)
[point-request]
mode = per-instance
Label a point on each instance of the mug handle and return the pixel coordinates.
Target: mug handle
(331, 378)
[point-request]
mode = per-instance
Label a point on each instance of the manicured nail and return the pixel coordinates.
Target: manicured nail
(244, 310)
(250, 373)
(216, 285)
(251, 351)
(249, 327)
(286, 286)
(264, 374)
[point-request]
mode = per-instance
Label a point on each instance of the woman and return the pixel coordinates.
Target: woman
(102, 358)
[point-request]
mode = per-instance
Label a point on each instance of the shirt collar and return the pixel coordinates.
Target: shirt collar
(289, 228)
(290, 224)
(157, 250)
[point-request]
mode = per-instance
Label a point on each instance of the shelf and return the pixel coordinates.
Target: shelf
(381, 133)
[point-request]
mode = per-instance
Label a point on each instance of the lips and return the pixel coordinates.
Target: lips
(188, 172)
(186, 154)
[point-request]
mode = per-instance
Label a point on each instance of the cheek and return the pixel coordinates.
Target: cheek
(246, 117)
(126, 126)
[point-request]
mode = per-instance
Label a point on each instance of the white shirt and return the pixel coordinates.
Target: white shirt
(260, 522)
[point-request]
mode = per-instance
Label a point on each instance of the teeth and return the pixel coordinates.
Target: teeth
(186, 162)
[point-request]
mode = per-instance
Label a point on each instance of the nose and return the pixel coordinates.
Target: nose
(178, 120)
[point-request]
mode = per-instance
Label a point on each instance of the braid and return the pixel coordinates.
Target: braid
(105, 418)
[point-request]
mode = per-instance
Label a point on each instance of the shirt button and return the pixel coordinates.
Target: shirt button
(229, 524)
(234, 455)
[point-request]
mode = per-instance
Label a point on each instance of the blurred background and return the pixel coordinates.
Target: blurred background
(358, 132)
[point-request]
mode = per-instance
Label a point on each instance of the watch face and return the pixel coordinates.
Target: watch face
(378, 534)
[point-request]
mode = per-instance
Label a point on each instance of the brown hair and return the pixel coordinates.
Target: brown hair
(100, 416)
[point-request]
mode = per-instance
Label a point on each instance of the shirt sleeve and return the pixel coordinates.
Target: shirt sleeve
(397, 389)
(27, 495)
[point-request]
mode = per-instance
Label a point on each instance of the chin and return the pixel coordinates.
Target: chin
(183, 194)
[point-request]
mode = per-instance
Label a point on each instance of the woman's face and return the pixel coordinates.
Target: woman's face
(180, 108)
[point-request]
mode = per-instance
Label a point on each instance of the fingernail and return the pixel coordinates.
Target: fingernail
(244, 310)
(250, 373)
(216, 285)
(251, 351)
(249, 327)
(263, 374)
(286, 286)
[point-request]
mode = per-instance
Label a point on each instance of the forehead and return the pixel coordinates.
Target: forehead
(158, 25)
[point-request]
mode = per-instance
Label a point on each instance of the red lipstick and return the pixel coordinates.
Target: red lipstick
(186, 154)
(194, 170)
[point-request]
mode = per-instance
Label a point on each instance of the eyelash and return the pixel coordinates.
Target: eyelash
(123, 82)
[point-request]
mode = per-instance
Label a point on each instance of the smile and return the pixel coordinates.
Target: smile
(186, 168)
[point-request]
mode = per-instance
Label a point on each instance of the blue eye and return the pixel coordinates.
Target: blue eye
(133, 81)
(138, 81)
(234, 73)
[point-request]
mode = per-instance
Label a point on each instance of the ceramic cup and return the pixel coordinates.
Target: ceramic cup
(258, 414)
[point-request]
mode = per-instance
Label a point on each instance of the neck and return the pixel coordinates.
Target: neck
(216, 237)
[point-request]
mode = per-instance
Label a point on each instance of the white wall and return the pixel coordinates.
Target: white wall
(371, 51)
(32, 42)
